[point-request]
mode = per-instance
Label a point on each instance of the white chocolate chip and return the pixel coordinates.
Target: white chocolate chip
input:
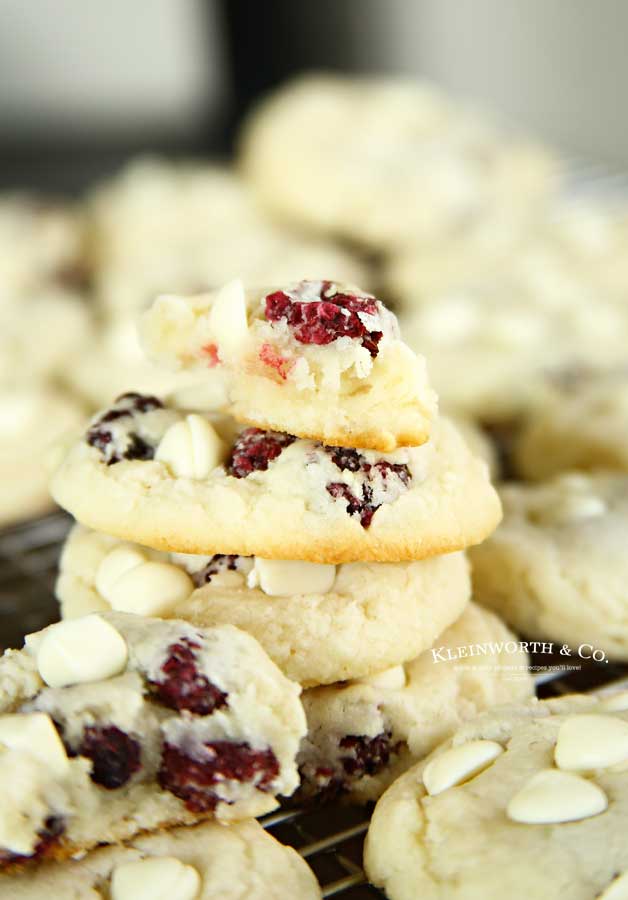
(227, 319)
(36, 735)
(80, 650)
(552, 796)
(121, 559)
(392, 679)
(191, 448)
(151, 589)
(159, 878)
(284, 578)
(590, 742)
(616, 702)
(617, 889)
(459, 764)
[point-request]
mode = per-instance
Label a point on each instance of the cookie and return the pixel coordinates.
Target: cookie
(315, 358)
(582, 425)
(201, 862)
(569, 243)
(354, 619)
(38, 338)
(163, 226)
(384, 162)
(32, 417)
(141, 724)
(113, 362)
(148, 473)
(41, 244)
(525, 801)
(363, 734)
(554, 566)
(480, 444)
(491, 347)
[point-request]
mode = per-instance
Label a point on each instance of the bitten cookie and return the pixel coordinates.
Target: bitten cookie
(364, 734)
(140, 724)
(582, 426)
(557, 566)
(525, 801)
(200, 862)
(385, 161)
(354, 618)
(314, 358)
(32, 417)
(153, 474)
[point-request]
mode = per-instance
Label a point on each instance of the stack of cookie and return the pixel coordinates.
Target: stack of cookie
(324, 511)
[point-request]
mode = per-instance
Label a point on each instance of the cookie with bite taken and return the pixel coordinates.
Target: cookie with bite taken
(113, 724)
(200, 862)
(316, 359)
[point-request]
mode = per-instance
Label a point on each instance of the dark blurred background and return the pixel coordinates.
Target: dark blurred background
(83, 85)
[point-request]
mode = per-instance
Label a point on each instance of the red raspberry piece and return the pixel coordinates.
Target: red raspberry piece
(254, 450)
(115, 755)
(352, 460)
(367, 756)
(183, 686)
(211, 352)
(274, 360)
(320, 322)
(192, 779)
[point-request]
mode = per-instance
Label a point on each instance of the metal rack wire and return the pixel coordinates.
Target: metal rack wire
(329, 838)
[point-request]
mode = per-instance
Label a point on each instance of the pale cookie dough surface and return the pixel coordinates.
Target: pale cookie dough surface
(41, 243)
(364, 734)
(113, 362)
(584, 426)
(32, 417)
(462, 843)
(38, 338)
(162, 226)
(567, 244)
(317, 359)
(371, 616)
(479, 443)
(293, 499)
(384, 161)
(157, 724)
(556, 567)
(232, 863)
(492, 343)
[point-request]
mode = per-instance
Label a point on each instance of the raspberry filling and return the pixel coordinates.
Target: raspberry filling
(334, 315)
(183, 686)
(127, 406)
(367, 756)
(115, 756)
(220, 562)
(192, 779)
(359, 755)
(49, 837)
(378, 479)
(255, 449)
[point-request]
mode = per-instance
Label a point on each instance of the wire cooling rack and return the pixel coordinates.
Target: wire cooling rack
(329, 838)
